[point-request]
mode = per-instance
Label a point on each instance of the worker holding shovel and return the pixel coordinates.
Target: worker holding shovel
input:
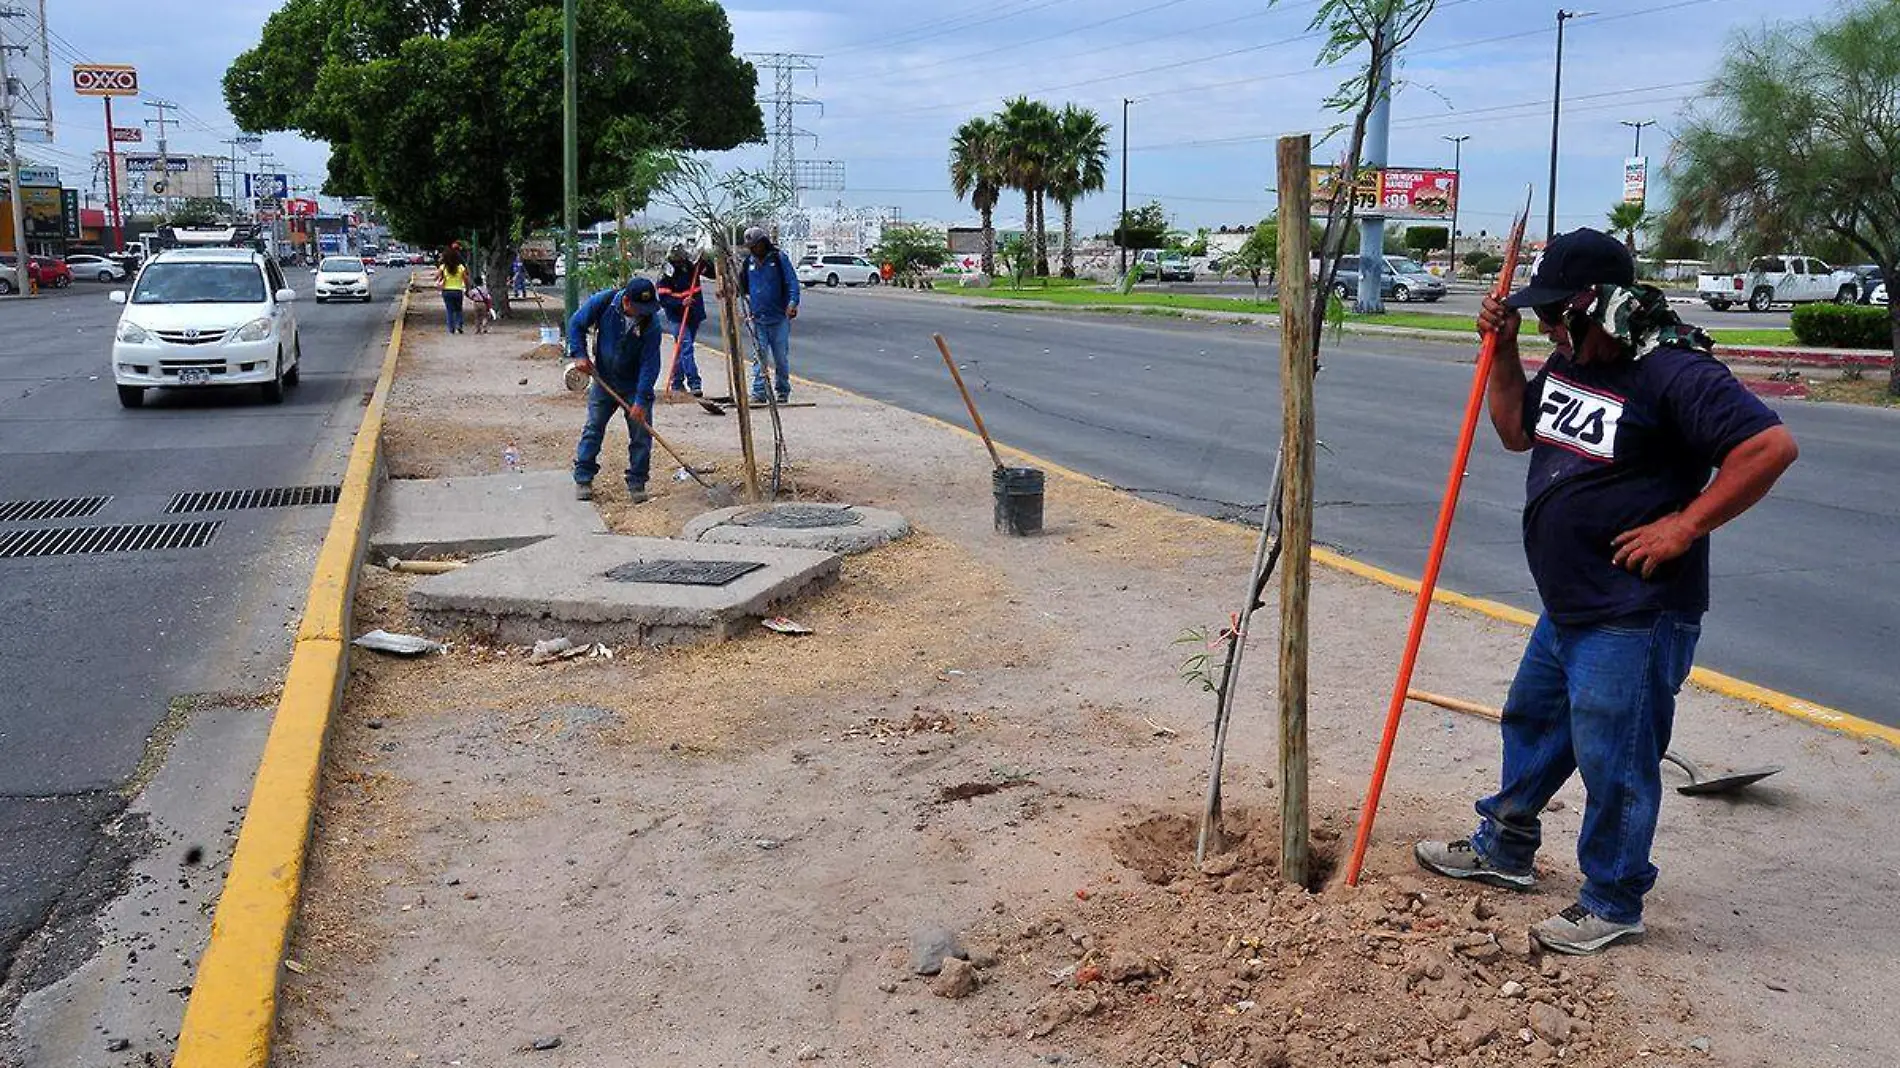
(1625, 424)
(685, 303)
(626, 362)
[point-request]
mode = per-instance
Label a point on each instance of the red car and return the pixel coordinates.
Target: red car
(48, 271)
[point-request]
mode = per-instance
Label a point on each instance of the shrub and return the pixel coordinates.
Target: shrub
(1843, 326)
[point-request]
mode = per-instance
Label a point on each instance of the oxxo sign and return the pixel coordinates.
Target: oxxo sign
(105, 79)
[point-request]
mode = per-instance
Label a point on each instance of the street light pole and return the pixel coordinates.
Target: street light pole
(1121, 224)
(1638, 127)
(1556, 115)
(571, 162)
(1457, 190)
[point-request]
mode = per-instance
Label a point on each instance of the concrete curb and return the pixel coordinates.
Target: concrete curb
(232, 1014)
(1727, 685)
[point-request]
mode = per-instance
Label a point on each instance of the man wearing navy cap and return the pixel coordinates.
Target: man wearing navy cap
(1625, 424)
(627, 357)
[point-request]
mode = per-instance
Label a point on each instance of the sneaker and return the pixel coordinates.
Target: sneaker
(1579, 932)
(638, 494)
(583, 491)
(760, 398)
(785, 398)
(1461, 860)
(696, 391)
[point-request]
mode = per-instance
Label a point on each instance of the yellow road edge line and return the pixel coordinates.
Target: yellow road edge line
(1787, 704)
(232, 1013)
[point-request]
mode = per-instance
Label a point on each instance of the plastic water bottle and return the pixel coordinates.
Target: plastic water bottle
(511, 458)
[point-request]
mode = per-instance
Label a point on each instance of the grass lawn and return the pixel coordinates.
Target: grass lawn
(1083, 296)
(1778, 338)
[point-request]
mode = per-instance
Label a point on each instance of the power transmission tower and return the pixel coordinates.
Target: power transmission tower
(793, 174)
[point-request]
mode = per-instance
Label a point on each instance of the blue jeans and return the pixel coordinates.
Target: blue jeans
(1601, 700)
(775, 340)
(600, 411)
(686, 367)
(452, 301)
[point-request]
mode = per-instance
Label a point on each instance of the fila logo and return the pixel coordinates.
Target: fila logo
(1578, 419)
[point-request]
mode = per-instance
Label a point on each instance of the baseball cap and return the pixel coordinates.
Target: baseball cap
(640, 291)
(1572, 263)
(754, 235)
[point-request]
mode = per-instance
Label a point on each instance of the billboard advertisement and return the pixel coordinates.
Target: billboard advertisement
(1393, 192)
(45, 211)
(296, 206)
(1636, 180)
(267, 186)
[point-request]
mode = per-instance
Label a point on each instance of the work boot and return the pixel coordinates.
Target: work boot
(637, 494)
(1579, 932)
(1461, 860)
(583, 491)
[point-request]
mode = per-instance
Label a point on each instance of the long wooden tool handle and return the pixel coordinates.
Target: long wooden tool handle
(1428, 583)
(648, 427)
(1455, 704)
(950, 362)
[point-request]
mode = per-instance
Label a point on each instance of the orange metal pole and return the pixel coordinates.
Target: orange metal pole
(1447, 511)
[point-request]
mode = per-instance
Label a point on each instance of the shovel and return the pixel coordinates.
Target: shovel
(717, 496)
(1698, 786)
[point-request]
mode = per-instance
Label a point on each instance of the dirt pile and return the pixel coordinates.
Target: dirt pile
(1227, 968)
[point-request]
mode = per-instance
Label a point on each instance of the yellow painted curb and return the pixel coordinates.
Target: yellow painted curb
(1727, 685)
(232, 1013)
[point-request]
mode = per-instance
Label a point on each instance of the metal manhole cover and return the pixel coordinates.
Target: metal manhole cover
(82, 541)
(799, 517)
(61, 508)
(237, 500)
(683, 572)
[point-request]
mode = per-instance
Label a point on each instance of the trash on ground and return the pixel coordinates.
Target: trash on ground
(783, 625)
(549, 649)
(399, 644)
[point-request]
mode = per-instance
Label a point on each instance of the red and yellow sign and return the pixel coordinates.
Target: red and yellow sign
(1392, 192)
(105, 79)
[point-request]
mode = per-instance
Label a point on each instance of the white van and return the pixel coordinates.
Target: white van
(206, 317)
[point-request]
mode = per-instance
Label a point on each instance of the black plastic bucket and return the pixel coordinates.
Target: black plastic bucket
(1018, 500)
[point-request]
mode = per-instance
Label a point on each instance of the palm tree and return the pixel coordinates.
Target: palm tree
(1627, 218)
(1080, 167)
(977, 172)
(1029, 135)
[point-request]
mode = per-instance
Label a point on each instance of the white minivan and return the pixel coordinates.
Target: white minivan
(206, 317)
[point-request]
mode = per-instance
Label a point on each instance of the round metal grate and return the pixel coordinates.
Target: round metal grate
(798, 516)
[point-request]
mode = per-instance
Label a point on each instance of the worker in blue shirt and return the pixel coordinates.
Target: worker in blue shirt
(771, 290)
(627, 357)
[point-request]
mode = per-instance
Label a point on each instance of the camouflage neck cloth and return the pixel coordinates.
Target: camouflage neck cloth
(1640, 319)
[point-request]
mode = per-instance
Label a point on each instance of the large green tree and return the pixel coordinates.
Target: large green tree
(977, 172)
(1801, 134)
(449, 113)
(1080, 167)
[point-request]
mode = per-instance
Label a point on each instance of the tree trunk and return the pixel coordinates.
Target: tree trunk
(1029, 231)
(1893, 322)
(1042, 238)
(989, 242)
(1068, 239)
(500, 258)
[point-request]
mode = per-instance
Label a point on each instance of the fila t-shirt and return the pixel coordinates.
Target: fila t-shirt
(1614, 447)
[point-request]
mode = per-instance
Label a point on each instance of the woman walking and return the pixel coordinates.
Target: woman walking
(452, 276)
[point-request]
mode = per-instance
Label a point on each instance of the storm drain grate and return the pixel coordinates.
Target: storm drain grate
(130, 538)
(238, 500)
(799, 517)
(60, 508)
(683, 572)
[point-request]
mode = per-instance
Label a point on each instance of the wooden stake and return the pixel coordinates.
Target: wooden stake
(1296, 501)
(735, 368)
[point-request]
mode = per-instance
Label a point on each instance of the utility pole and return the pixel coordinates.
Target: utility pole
(1638, 127)
(570, 162)
(162, 186)
(1371, 299)
(1556, 117)
(1457, 191)
(21, 286)
(1121, 224)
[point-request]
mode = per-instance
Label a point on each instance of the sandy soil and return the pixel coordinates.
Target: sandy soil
(722, 855)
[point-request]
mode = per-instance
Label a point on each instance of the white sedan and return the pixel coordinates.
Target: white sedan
(97, 267)
(342, 278)
(839, 270)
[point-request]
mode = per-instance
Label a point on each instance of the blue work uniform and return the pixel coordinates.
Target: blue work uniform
(627, 357)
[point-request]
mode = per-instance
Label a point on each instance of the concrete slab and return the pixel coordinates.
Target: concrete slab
(840, 528)
(477, 514)
(561, 586)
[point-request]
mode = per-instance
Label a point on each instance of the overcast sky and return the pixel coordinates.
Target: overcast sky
(1215, 81)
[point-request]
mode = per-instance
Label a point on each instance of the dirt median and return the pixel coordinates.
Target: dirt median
(722, 855)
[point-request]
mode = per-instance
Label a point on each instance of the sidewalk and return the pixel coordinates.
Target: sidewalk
(719, 855)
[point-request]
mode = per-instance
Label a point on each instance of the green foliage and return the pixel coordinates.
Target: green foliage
(1627, 217)
(449, 115)
(1199, 669)
(1259, 253)
(977, 171)
(1143, 228)
(1381, 27)
(199, 211)
(1843, 326)
(597, 274)
(1018, 256)
(1425, 240)
(912, 250)
(1079, 167)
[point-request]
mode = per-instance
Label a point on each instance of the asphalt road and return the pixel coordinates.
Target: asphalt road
(1807, 588)
(106, 653)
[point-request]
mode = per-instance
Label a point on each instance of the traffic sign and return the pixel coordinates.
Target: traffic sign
(105, 79)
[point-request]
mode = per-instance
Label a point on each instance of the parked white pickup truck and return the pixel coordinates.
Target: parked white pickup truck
(1779, 280)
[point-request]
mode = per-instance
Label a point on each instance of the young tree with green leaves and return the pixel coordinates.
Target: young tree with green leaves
(912, 250)
(449, 114)
(977, 171)
(1258, 254)
(1425, 240)
(1080, 167)
(1142, 228)
(1798, 137)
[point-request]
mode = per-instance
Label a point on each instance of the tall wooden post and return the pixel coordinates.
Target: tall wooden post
(1297, 437)
(729, 268)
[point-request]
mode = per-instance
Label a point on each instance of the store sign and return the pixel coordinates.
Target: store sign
(1392, 192)
(69, 212)
(105, 79)
(296, 206)
(128, 135)
(30, 175)
(1636, 180)
(142, 164)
